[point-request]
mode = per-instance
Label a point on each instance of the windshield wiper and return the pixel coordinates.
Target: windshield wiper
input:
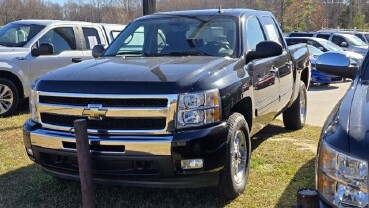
(131, 53)
(187, 53)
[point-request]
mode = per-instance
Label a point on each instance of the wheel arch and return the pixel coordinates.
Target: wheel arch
(15, 79)
(245, 108)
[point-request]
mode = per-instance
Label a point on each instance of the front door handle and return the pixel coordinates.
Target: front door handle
(76, 60)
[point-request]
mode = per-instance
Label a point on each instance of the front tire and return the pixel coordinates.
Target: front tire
(233, 177)
(9, 97)
(295, 116)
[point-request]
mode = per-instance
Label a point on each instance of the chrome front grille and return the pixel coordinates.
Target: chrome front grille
(125, 114)
(138, 102)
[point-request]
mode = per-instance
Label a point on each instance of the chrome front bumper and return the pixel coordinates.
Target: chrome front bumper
(133, 145)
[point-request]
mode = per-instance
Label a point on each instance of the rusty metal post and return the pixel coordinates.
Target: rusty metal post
(148, 7)
(84, 164)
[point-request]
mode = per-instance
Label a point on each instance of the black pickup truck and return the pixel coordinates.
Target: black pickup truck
(173, 101)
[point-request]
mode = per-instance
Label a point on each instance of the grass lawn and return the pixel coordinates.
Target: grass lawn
(281, 163)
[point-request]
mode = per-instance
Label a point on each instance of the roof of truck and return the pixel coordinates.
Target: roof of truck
(49, 22)
(208, 12)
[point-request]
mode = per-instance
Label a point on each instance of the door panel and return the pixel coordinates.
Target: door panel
(46, 63)
(63, 40)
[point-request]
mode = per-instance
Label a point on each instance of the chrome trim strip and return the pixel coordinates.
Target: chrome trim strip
(109, 132)
(133, 145)
(112, 111)
(108, 96)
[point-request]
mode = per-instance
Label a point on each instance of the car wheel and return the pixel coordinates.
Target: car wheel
(233, 177)
(9, 97)
(294, 117)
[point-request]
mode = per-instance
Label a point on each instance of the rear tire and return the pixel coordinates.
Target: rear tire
(294, 117)
(9, 97)
(233, 177)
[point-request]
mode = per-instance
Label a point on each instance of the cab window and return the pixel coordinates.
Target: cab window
(91, 36)
(254, 34)
(61, 38)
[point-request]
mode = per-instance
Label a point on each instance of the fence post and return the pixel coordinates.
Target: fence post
(84, 163)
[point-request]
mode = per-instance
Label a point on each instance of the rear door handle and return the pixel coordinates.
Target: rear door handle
(76, 60)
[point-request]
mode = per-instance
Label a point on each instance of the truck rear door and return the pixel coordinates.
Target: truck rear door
(282, 65)
(91, 36)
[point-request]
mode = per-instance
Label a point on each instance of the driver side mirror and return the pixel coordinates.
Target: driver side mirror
(97, 50)
(264, 49)
(336, 64)
(43, 49)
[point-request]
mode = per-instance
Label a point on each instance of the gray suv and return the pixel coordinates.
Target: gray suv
(347, 42)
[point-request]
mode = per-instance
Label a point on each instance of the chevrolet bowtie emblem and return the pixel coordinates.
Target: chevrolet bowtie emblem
(94, 112)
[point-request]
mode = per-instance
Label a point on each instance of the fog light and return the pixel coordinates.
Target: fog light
(192, 164)
(29, 151)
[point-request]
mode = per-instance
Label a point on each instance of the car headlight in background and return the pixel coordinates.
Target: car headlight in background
(342, 179)
(196, 109)
(33, 99)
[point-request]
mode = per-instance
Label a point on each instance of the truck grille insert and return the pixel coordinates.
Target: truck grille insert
(106, 123)
(117, 102)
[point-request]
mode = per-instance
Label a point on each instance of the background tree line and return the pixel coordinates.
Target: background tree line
(305, 15)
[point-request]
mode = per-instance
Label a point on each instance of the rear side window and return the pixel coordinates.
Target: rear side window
(338, 40)
(324, 36)
(91, 36)
(295, 41)
(254, 33)
(115, 34)
(361, 36)
(271, 30)
(301, 35)
(62, 38)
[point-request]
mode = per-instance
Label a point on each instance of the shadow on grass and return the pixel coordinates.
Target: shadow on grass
(31, 187)
(23, 108)
(267, 132)
(304, 178)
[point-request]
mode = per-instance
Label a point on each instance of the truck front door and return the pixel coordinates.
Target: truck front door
(264, 75)
(66, 51)
(282, 65)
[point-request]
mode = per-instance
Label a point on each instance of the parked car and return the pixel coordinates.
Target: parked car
(177, 111)
(30, 48)
(325, 46)
(342, 160)
(362, 34)
(347, 42)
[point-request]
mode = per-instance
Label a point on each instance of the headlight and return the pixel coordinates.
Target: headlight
(33, 99)
(342, 179)
(196, 109)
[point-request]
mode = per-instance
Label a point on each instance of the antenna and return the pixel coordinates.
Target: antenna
(220, 9)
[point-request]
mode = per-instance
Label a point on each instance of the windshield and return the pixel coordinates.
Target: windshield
(18, 35)
(366, 36)
(314, 51)
(330, 45)
(354, 41)
(178, 36)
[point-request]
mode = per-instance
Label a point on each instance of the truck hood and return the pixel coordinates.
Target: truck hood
(7, 53)
(358, 122)
(118, 75)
